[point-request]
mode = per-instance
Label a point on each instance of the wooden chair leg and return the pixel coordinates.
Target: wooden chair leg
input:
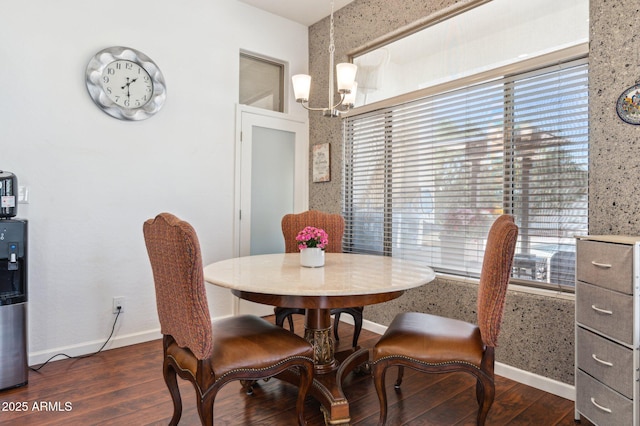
(171, 381)
(485, 384)
(247, 386)
(485, 392)
(306, 378)
(290, 320)
(479, 392)
(205, 407)
(281, 315)
(399, 378)
(379, 373)
(357, 324)
(336, 321)
(357, 328)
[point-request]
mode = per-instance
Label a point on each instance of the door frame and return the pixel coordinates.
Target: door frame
(246, 118)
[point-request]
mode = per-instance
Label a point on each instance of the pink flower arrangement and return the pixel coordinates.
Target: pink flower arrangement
(311, 237)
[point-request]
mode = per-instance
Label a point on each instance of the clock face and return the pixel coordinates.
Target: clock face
(127, 84)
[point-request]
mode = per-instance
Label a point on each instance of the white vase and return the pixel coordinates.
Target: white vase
(312, 257)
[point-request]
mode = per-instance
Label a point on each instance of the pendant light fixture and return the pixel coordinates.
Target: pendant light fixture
(345, 74)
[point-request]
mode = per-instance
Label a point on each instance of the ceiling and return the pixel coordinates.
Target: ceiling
(306, 12)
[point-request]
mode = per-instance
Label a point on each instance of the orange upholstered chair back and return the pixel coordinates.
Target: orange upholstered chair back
(174, 252)
(333, 224)
(494, 278)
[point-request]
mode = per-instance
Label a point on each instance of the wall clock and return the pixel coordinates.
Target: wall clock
(125, 83)
(628, 105)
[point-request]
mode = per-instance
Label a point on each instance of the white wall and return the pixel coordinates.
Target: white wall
(94, 179)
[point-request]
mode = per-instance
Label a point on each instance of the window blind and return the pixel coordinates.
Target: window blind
(425, 179)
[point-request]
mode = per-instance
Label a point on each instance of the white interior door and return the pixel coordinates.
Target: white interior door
(272, 152)
(272, 181)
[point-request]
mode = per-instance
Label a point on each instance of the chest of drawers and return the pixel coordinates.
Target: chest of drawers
(608, 329)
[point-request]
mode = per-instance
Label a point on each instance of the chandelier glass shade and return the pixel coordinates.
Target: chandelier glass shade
(345, 75)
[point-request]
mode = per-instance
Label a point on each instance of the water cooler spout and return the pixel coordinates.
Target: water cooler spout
(13, 257)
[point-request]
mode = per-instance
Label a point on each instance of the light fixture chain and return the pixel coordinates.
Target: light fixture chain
(332, 46)
(332, 49)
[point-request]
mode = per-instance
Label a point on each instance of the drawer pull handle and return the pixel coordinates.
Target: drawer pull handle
(608, 364)
(601, 265)
(605, 409)
(602, 311)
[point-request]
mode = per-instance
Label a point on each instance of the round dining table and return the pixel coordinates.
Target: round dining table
(345, 280)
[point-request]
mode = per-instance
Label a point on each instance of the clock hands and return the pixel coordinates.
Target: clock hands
(127, 84)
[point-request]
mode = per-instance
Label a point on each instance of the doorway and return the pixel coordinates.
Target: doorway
(272, 152)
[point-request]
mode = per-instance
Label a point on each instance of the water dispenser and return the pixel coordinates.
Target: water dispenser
(13, 303)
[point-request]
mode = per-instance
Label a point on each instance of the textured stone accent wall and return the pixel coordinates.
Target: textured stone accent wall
(614, 168)
(537, 333)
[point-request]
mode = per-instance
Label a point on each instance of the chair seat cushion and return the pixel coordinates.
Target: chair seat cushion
(245, 342)
(430, 339)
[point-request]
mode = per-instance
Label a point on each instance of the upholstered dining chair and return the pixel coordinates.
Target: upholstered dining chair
(434, 344)
(333, 224)
(245, 348)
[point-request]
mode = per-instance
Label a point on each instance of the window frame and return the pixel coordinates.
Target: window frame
(387, 222)
(244, 81)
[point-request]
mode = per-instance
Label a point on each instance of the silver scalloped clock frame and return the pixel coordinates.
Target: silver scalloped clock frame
(101, 60)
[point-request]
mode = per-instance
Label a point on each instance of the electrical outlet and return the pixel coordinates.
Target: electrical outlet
(118, 302)
(23, 194)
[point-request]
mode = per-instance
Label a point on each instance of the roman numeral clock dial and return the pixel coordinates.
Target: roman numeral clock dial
(125, 83)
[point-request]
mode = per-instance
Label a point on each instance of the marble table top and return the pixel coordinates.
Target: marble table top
(342, 275)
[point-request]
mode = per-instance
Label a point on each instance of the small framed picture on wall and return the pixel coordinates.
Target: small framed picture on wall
(321, 162)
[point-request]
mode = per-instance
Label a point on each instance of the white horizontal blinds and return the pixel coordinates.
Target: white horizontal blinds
(447, 172)
(364, 193)
(549, 168)
(425, 179)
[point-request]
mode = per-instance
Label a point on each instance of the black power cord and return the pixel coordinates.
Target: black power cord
(87, 355)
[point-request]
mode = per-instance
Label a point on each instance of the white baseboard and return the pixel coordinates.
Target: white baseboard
(546, 384)
(521, 376)
(117, 341)
(36, 358)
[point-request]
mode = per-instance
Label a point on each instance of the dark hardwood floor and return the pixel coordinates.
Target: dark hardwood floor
(124, 386)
